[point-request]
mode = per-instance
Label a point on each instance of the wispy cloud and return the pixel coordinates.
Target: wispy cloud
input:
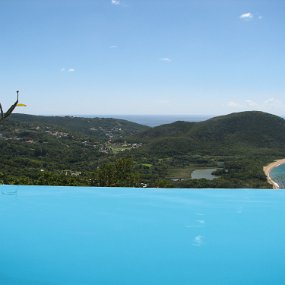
(67, 69)
(234, 104)
(246, 16)
(113, 46)
(165, 59)
(116, 2)
(273, 103)
(249, 104)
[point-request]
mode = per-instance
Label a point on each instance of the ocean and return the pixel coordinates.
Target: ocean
(153, 120)
(278, 175)
(121, 236)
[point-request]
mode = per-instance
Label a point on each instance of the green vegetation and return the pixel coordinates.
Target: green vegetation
(59, 150)
(110, 152)
(121, 172)
(181, 173)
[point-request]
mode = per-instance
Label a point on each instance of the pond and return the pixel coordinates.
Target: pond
(204, 174)
(120, 236)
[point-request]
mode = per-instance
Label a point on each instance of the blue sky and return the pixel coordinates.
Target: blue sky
(143, 57)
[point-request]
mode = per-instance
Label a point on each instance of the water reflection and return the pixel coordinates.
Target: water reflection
(8, 191)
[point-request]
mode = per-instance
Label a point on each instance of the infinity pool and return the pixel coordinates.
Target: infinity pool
(78, 236)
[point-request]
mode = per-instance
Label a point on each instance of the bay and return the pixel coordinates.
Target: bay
(278, 175)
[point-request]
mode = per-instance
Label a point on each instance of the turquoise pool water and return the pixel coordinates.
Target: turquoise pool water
(68, 236)
(278, 175)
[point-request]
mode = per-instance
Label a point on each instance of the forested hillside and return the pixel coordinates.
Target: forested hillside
(32, 147)
(112, 152)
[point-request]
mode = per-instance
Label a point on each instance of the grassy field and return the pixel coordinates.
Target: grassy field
(116, 149)
(183, 172)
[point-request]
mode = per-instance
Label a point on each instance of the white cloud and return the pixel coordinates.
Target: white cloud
(246, 104)
(116, 2)
(267, 105)
(166, 59)
(233, 104)
(246, 16)
(113, 46)
(273, 103)
(251, 103)
(67, 69)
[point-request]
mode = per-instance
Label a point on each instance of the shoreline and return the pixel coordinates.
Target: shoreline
(268, 168)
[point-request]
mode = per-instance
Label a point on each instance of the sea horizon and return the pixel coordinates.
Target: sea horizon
(153, 120)
(148, 120)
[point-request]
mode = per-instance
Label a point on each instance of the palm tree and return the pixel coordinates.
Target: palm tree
(10, 110)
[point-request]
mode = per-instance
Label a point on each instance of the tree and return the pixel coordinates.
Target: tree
(10, 110)
(120, 173)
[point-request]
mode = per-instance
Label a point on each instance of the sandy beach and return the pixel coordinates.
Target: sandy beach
(269, 167)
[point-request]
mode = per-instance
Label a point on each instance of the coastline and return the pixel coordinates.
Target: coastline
(268, 168)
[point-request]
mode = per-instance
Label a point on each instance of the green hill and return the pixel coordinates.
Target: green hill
(32, 146)
(232, 133)
(99, 128)
(238, 145)
(257, 129)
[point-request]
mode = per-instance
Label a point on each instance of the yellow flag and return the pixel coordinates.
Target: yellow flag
(21, 105)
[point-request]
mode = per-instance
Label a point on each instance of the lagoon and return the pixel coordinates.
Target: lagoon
(78, 236)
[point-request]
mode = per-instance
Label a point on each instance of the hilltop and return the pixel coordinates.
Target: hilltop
(237, 131)
(99, 128)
